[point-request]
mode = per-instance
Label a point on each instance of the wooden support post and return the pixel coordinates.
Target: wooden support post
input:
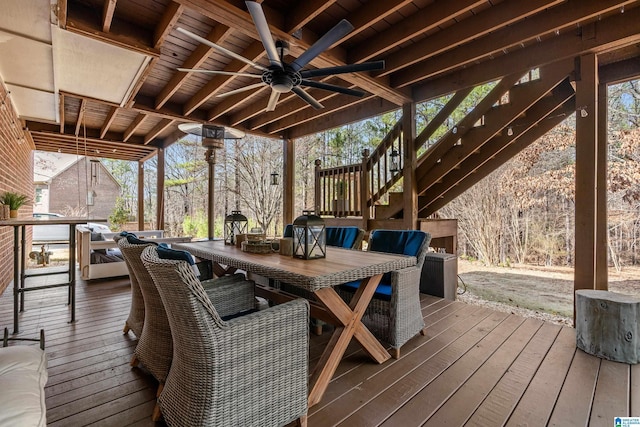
(364, 190)
(141, 195)
(288, 187)
(160, 191)
(586, 168)
(409, 162)
(210, 157)
(317, 192)
(602, 226)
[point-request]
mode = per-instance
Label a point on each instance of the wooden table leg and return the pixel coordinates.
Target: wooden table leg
(350, 317)
(220, 271)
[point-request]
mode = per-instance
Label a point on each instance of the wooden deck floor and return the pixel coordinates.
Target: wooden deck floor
(475, 367)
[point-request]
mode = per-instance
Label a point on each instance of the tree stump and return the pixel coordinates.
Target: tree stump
(607, 325)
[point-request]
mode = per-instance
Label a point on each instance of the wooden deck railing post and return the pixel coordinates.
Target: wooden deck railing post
(364, 190)
(318, 202)
(409, 162)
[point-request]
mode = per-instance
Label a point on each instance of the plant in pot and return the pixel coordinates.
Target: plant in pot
(14, 201)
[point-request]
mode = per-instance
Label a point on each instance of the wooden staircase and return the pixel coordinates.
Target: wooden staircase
(514, 114)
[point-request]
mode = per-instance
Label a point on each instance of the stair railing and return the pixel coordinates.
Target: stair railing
(349, 191)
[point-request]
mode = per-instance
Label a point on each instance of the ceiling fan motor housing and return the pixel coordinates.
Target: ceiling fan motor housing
(281, 80)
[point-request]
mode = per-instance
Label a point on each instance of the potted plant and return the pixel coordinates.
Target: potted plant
(14, 201)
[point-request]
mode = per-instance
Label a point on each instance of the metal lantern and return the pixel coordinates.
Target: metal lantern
(275, 178)
(309, 236)
(395, 161)
(235, 223)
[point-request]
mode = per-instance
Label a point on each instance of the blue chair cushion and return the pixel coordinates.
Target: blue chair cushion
(403, 242)
(383, 291)
(165, 252)
(342, 237)
(288, 231)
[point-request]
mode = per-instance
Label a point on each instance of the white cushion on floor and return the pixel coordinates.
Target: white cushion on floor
(23, 375)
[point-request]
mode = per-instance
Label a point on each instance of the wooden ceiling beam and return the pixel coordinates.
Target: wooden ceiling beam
(254, 52)
(491, 19)
(157, 130)
(222, 11)
(304, 12)
(82, 20)
(135, 124)
(230, 102)
(169, 18)
(108, 121)
(619, 72)
(61, 111)
(289, 103)
(107, 14)
(414, 25)
(170, 110)
(51, 130)
(61, 13)
(218, 34)
(503, 40)
(333, 106)
(372, 12)
(289, 106)
(370, 107)
(83, 106)
(614, 32)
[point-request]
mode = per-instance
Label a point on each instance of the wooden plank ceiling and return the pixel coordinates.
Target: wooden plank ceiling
(430, 48)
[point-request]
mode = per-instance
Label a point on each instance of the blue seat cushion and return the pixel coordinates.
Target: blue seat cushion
(342, 237)
(134, 240)
(403, 242)
(288, 230)
(383, 291)
(165, 252)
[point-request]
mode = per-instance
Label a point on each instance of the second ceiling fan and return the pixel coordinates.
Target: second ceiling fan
(285, 77)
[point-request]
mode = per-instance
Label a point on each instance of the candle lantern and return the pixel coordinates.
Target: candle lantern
(309, 236)
(395, 161)
(235, 223)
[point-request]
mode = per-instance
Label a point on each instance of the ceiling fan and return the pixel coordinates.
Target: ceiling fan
(285, 77)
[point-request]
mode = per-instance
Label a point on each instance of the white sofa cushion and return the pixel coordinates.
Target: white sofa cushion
(23, 375)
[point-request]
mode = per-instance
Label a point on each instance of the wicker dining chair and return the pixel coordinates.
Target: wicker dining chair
(248, 371)
(394, 314)
(135, 321)
(154, 350)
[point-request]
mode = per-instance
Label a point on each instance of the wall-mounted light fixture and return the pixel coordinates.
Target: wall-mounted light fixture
(394, 162)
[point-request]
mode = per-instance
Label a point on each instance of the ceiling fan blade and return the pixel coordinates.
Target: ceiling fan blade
(341, 69)
(333, 88)
(223, 73)
(335, 34)
(221, 49)
(259, 20)
(242, 89)
(307, 98)
(273, 100)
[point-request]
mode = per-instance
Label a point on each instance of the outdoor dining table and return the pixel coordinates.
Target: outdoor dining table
(318, 276)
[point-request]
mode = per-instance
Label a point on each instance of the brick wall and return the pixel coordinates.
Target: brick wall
(16, 174)
(68, 191)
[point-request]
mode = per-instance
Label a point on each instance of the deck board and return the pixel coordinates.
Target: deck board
(474, 367)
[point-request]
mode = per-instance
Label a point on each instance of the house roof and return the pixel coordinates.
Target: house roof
(104, 72)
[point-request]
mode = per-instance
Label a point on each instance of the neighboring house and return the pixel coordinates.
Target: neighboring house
(75, 185)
